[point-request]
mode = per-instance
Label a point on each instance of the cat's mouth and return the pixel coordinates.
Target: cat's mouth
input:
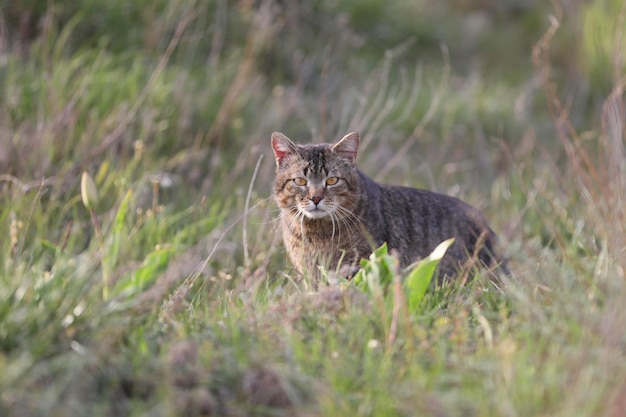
(315, 212)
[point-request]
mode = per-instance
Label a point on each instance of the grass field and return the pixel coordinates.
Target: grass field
(163, 289)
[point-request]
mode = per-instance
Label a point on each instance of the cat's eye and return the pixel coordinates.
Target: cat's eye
(299, 181)
(331, 180)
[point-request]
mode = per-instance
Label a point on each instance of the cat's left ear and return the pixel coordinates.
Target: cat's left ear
(282, 147)
(347, 147)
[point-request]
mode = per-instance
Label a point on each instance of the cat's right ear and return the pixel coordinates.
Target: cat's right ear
(282, 147)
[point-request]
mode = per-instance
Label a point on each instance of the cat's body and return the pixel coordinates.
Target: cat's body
(332, 215)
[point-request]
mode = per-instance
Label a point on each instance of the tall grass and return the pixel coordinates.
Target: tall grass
(184, 304)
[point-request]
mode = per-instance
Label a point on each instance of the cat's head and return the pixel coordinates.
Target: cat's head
(316, 181)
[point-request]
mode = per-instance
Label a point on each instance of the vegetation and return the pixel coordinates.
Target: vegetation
(163, 289)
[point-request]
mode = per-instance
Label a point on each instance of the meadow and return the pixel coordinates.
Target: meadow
(141, 269)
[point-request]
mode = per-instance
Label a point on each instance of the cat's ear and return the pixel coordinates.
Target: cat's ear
(282, 147)
(347, 147)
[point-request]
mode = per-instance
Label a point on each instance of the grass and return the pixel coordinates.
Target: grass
(181, 301)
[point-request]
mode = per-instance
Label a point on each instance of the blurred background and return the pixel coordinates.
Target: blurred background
(169, 282)
(196, 87)
(491, 101)
(486, 100)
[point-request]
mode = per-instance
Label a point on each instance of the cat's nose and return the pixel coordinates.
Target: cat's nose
(316, 200)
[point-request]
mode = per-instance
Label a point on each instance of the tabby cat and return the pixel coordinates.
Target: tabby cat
(332, 215)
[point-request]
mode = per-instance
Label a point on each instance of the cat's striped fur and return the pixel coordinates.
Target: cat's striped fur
(332, 215)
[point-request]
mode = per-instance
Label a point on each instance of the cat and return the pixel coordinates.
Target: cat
(332, 215)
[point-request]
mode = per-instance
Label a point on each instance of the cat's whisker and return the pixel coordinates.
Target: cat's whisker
(337, 224)
(347, 217)
(353, 225)
(302, 225)
(337, 218)
(332, 219)
(295, 216)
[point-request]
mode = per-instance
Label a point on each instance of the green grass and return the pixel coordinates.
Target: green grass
(182, 302)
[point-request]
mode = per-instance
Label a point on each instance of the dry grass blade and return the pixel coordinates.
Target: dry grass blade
(246, 250)
(121, 127)
(419, 128)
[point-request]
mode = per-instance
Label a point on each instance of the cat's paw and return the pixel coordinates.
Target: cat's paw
(345, 272)
(348, 271)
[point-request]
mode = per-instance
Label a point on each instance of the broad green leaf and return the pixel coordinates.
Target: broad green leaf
(146, 274)
(420, 277)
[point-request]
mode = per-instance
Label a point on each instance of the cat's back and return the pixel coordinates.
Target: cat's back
(405, 203)
(415, 221)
